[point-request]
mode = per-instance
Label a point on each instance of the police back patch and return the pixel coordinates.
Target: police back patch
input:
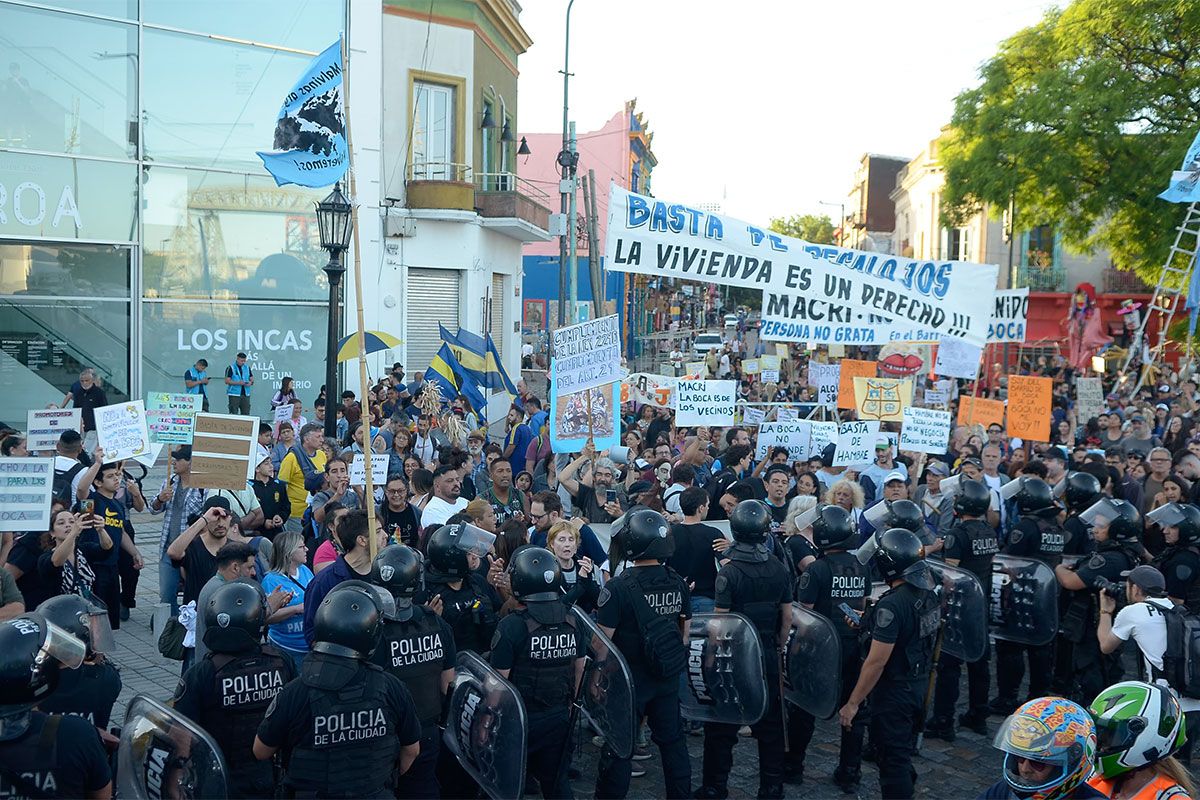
(1096, 561)
(1015, 536)
(805, 579)
(605, 594)
(884, 617)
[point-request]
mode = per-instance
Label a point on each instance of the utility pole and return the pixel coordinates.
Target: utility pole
(566, 183)
(573, 233)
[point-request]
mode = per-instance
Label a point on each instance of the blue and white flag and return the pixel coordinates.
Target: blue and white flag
(310, 132)
(1185, 181)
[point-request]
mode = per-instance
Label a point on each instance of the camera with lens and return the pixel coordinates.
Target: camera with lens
(1114, 589)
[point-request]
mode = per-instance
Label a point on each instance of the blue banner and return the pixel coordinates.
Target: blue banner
(1185, 182)
(310, 131)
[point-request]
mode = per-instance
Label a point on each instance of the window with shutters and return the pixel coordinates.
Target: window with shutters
(496, 323)
(432, 298)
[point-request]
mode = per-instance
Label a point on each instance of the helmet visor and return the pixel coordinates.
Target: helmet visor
(1117, 735)
(867, 550)
(387, 603)
(877, 513)
(807, 518)
(1034, 761)
(476, 540)
(62, 647)
(1009, 490)
(1105, 509)
(1167, 516)
(949, 486)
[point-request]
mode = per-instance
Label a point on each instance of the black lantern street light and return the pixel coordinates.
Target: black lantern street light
(336, 224)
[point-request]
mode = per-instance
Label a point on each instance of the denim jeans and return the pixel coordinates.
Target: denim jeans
(702, 604)
(168, 582)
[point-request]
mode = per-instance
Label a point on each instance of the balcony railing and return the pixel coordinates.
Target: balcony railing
(503, 195)
(509, 182)
(439, 171)
(1120, 281)
(1042, 279)
(440, 185)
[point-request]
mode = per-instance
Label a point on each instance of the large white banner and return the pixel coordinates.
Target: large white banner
(587, 355)
(671, 240)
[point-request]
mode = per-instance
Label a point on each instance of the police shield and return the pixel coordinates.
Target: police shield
(486, 727)
(964, 611)
(724, 681)
(1024, 600)
(164, 754)
(607, 700)
(812, 675)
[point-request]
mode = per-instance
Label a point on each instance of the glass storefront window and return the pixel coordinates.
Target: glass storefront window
(223, 119)
(279, 340)
(218, 235)
(302, 24)
(64, 270)
(122, 9)
(45, 343)
(69, 83)
(52, 197)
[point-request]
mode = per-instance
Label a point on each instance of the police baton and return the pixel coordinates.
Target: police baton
(937, 654)
(783, 703)
(564, 763)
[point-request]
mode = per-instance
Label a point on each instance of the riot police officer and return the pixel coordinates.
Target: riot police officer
(418, 648)
(907, 515)
(227, 692)
(539, 651)
(1179, 562)
(1082, 490)
(1036, 534)
(970, 544)
(44, 755)
(835, 578)
(350, 726)
(91, 690)
(902, 628)
(626, 611)
(1117, 529)
(468, 603)
(759, 587)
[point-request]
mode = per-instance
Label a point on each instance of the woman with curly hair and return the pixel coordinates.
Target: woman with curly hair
(849, 495)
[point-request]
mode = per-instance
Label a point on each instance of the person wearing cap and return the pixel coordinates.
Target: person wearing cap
(1139, 439)
(928, 496)
(178, 504)
(873, 477)
(1113, 401)
(274, 508)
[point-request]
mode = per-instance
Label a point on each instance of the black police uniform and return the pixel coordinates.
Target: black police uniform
(755, 585)
(541, 659)
(1092, 670)
(1079, 545)
(58, 756)
(227, 695)
(1043, 539)
(417, 651)
(470, 610)
(972, 543)
(87, 692)
(1180, 566)
(835, 578)
(657, 699)
(1079, 539)
(344, 722)
(907, 618)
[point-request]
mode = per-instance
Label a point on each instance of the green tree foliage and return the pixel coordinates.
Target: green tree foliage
(814, 228)
(1082, 118)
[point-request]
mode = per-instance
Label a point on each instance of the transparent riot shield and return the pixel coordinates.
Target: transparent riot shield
(486, 729)
(164, 754)
(1024, 601)
(812, 676)
(607, 698)
(724, 681)
(964, 610)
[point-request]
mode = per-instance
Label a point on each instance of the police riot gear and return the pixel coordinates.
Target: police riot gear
(31, 652)
(399, 569)
(833, 528)
(750, 522)
(1035, 497)
(1083, 489)
(1124, 521)
(904, 514)
(900, 555)
(972, 499)
(235, 617)
(349, 622)
(91, 690)
(446, 556)
(416, 651)
(645, 535)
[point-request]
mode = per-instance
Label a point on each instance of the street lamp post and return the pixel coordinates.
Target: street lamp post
(841, 221)
(335, 222)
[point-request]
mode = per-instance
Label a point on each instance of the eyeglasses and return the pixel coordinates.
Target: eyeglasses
(536, 517)
(1160, 460)
(395, 491)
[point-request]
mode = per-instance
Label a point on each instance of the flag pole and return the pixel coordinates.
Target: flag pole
(369, 489)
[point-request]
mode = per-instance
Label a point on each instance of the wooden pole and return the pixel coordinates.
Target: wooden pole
(369, 489)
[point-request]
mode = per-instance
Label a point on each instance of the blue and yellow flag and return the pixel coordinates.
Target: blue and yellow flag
(479, 358)
(496, 370)
(452, 379)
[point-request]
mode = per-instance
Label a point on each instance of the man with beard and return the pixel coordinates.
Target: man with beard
(598, 500)
(194, 552)
(401, 519)
(507, 501)
(446, 500)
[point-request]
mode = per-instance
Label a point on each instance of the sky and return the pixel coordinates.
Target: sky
(765, 106)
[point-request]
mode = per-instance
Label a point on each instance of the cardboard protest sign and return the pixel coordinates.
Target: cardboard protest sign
(698, 368)
(1008, 322)
(587, 355)
(1029, 407)
(751, 366)
(851, 369)
(170, 417)
(224, 451)
(1089, 398)
(828, 378)
(856, 442)
(979, 411)
(936, 397)
(783, 413)
(769, 376)
(957, 358)
(925, 430)
(823, 434)
(45, 425)
(794, 435)
(121, 430)
(705, 402)
(358, 471)
(781, 350)
(753, 416)
(882, 399)
(26, 489)
(766, 362)
(283, 413)
(571, 423)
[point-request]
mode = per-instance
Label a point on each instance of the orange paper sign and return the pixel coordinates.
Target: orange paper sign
(985, 411)
(852, 369)
(1029, 407)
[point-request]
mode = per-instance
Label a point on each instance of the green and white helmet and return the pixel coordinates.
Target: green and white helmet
(1136, 724)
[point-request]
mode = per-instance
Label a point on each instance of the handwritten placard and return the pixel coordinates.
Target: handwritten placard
(925, 430)
(795, 435)
(697, 368)
(882, 399)
(121, 430)
(769, 376)
(587, 355)
(827, 378)
(170, 417)
(358, 471)
(26, 488)
(823, 435)
(705, 402)
(224, 451)
(851, 369)
(785, 413)
(1089, 398)
(979, 411)
(856, 442)
(751, 366)
(45, 425)
(753, 416)
(1029, 407)
(936, 397)
(958, 358)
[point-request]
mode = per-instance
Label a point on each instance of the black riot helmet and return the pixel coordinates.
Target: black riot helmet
(32, 651)
(972, 499)
(1184, 516)
(85, 619)
(1124, 521)
(749, 522)
(1083, 489)
(904, 514)
(645, 534)
(535, 575)
(449, 546)
(1034, 496)
(349, 621)
(399, 569)
(833, 528)
(235, 617)
(899, 555)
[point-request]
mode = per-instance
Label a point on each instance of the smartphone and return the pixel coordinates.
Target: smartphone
(87, 507)
(854, 616)
(610, 496)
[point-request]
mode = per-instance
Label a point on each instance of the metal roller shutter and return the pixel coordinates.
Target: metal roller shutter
(432, 298)
(496, 327)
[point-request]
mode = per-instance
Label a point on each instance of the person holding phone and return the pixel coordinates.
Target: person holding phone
(100, 485)
(65, 569)
(591, 492)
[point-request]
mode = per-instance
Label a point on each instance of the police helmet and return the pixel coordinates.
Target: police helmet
(1189, 527)
(646, 534)
(349, 621)
(904, 514)
(399, 569)
(1034, 496)
(535, 575)
(32, 650)
(1083, 489)
(85, 620)
(235, 617)
(972, 499)
(833, 528)
(899, 555)
(445, 554)
(749, 522)
(1124, 521)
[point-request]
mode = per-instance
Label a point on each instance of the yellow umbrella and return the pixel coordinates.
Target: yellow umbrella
(374, 341)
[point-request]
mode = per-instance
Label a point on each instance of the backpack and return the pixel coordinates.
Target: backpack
(662, 648)
(62, 483)
(1181, 659)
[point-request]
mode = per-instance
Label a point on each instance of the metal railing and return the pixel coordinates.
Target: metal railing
(439, 171)
(1042, 279)
(509, 182)
(1120, 281)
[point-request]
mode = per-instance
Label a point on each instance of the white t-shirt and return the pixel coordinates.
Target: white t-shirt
(437, 511)
(1146, 624)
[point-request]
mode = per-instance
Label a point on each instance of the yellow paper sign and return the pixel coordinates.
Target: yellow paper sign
(883, 399)
(1029, 407)
(750, 366)
(980, 411)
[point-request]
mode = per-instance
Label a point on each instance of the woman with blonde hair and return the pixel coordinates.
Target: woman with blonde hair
(796, 539)
(849, 495)
(482, 513)
(578, 585)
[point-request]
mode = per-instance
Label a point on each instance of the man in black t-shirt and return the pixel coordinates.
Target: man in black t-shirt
(401, 520)
(696, 549)
(195, 550)
(777, 479)
(100, 485)
(87, 396)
